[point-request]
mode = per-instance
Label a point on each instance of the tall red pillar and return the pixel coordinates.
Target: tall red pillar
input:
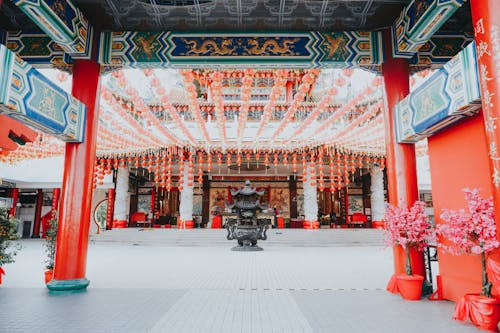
(110, 209)
(38, 214)
(486, 23)
(401, 163)
(56, 194)
(76, 200)
(15, 197)
(289, 92)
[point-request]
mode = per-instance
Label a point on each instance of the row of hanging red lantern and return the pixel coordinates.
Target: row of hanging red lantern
(323, 104)
(139, 133)
(369, 114)
(308, 81)
(280, 80)
(108, 140)
(361, 96)
(161, 161)
(369, 137)
(216, 91)
(43, 146)
(194, 104)
(246, 94)
(143, 111)
(167, 105)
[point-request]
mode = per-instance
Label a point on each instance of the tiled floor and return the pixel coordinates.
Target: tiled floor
(190, 281)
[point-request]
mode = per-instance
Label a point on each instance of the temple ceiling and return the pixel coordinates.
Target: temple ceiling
(240, 15)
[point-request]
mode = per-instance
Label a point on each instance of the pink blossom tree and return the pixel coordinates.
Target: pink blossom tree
(408, 228)
(472, 232)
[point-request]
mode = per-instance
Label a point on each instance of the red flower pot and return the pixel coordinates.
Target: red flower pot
(484, 312)
(410, 286)
(2, 272)
(378, 224)
(48, 275)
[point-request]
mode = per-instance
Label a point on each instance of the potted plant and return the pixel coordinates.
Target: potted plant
(474, 233)
(50, 247)
(8, 235)
(410, 229)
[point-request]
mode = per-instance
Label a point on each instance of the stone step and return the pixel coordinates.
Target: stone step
(217, 237)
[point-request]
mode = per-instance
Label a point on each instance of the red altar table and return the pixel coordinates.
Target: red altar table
(217, 222)
(281, 222)
(296, 223)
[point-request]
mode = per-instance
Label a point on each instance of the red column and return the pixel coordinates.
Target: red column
(76, 200)
(56, 193)
(486, 23)
(346, 201)
(153, 206)
(401, 164)
(38, 214)
(15, 197)
(289, 92)
(110, 209)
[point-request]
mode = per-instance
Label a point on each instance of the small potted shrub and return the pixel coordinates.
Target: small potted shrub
(50, 247)
(473, 232)
(410, 229)
(8, 236)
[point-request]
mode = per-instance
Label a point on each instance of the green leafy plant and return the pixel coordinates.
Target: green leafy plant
(50, 242)
(8, 236)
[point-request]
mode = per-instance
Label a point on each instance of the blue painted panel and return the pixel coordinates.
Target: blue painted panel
(28, 96)
(443, 99)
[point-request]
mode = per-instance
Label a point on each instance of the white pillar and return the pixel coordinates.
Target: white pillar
(377, 193)
(186, 200)
(122, 198)
(310, 198)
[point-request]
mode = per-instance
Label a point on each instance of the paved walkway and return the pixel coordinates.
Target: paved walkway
(169, 285)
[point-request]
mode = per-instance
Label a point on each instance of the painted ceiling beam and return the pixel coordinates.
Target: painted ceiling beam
(63, 22)
(38, 49)
(418, 22)
(440, 49)
(28, 96)
(186, 50)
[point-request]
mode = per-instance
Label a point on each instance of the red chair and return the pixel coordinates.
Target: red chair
(140, 218)
(217, 222)
(358, 220)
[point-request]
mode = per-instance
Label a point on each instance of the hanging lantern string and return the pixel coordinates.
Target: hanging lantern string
(362, 96)
(306, 85)
(246, 95)
(372, 112)
(216, 90)
(320, 107)
(194, 104)
(167, 105)
(145, 112)
(129, 120)
(280, 78)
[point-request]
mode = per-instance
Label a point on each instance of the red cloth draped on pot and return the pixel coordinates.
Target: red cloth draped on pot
(2, 272)
(461, 311)
(482, 311)
(392, 285)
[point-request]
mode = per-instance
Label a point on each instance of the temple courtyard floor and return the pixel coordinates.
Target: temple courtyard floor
(167, 280)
